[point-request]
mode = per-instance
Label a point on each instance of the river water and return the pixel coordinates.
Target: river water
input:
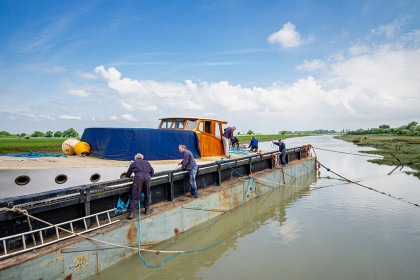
(324, 229)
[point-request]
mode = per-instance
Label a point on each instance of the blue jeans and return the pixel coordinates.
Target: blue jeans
(193, 183)
(283, 158)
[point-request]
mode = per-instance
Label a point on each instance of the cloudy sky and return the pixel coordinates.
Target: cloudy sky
(261, 65)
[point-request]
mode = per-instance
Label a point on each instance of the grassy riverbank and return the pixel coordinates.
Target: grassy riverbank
(396, 150)
(18, 145)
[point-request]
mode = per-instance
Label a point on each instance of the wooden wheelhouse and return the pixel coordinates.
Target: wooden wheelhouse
(209, 132)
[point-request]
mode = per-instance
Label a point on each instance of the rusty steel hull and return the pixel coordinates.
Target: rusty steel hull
(78, 258)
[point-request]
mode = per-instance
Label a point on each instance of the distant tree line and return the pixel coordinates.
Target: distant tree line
(410, 129)
(316, 131)
(69, 133)
(309, 132)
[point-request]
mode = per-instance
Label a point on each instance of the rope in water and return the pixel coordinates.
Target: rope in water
(369, 188)
(353, 154)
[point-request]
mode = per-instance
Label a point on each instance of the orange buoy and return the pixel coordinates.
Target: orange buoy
(68, 146)
(82, 148)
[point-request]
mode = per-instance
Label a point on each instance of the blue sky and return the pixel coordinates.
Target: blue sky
(261, 65)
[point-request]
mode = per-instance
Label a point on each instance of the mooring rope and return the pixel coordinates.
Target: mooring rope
(367, 187)
(281, 168)
(353, 154)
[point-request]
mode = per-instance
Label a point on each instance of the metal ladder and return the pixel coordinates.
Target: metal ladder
(57, 237)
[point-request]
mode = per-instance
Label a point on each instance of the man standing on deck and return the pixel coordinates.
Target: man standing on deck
(282, 150)
(226, 137)
(142, 171)
(188, 163)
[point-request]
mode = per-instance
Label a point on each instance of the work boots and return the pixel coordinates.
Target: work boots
(131, 215)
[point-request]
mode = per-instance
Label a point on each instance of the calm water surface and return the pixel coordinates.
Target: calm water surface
(320, 228)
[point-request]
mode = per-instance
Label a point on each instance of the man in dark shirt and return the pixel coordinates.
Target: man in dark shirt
(226, 137)
(142, 171)
(282, 150)
(235, 142)
(188, 163)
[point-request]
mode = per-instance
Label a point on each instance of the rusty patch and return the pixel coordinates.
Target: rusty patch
(68, 277)
(81, 262)
(176, 231)
(132, 232)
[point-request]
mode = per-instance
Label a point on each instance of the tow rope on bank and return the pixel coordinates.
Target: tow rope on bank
(359, 184)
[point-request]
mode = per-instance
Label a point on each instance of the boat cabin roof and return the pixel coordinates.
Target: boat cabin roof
(186, 123)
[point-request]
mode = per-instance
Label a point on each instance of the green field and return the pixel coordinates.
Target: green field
(396, 150)
(15, 145)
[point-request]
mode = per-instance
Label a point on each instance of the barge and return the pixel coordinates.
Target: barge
(87, 216)
(49, 208)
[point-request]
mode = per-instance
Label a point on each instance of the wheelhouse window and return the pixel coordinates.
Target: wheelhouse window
(179, 124)
(217, 130)
(191, 124)
(166, 124)
(205, 126)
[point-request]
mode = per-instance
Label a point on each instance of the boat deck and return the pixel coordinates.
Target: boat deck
(9, 162)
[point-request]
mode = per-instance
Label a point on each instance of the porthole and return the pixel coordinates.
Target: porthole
(95, 177)
(61, 179)
(22, 180)
(123, 175)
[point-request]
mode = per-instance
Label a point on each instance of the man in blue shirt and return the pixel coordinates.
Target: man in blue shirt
(226, 137)
(282, 150)
(141, 184)
(253, 145)
(188, 163)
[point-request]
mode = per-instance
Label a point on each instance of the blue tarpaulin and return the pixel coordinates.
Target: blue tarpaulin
(125, 143)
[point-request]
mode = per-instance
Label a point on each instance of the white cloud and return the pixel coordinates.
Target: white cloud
(390, 30)
(132, 105)
(78, 92)
(358, 50)
(67, 117)
(114, 118)
(123, 86)
(128, 118)
(288, 37)
(127, 105)
(46, 117)
(84, 75)
(312, 65)
(367, 84)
